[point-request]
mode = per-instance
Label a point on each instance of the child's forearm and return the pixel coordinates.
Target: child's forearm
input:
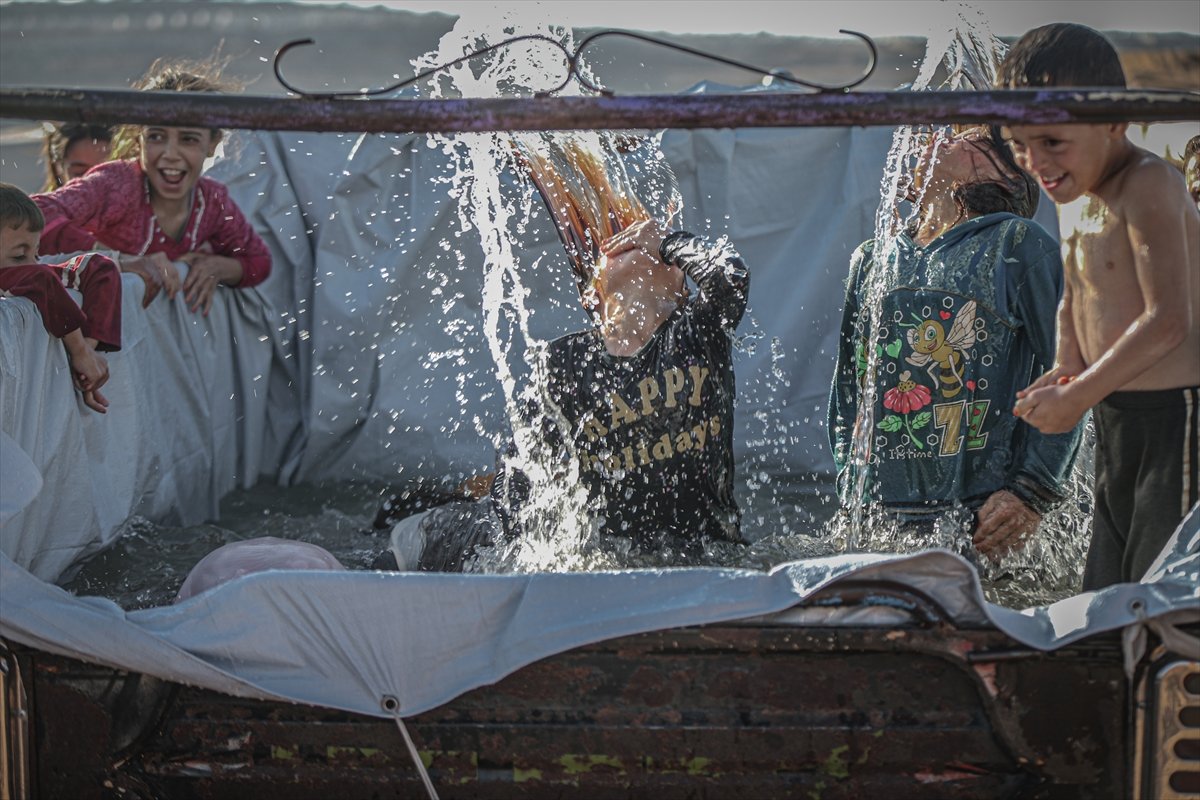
(76, 344)
(717, 269)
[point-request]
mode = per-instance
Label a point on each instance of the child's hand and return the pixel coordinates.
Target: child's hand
(1052, 408)
(1057, 376)
(646, 236)
(205, 272)
(1004, 525)
(157, 271)
(89, 370)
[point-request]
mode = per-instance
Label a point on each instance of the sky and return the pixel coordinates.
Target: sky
(825, 17)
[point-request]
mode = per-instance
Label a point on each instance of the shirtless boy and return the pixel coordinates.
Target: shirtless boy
(1129, 321)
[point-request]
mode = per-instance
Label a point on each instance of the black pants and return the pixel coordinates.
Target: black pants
(1147, 473)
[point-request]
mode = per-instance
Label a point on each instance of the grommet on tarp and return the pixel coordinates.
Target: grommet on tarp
(391, 704)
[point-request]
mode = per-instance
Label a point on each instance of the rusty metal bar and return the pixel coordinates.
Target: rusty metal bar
(759, 110)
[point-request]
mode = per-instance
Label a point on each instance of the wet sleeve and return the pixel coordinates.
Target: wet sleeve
(233, 236)
(42, 285)
(75, 214)
(718, 271)
(845, 389)
(1042, 462)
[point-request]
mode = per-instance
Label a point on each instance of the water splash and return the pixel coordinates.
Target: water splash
(963, 54)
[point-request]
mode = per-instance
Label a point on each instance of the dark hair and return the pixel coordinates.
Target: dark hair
(173, 75)
(17, 209)
(1061, 54)
(1017, 192)
(1191, 148)
(58, 141)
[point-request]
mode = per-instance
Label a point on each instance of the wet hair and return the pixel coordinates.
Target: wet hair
(1061, 54)
(1016, 192)
(16, 210)
(174, 75)
(58, 141)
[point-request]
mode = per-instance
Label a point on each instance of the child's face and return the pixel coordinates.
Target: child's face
(81, 156)
(173, 157)
(957, 160)
(18, 245)
(1067, 160)
(634, 278)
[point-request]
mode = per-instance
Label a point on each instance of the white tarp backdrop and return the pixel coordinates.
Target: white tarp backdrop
(363, 357)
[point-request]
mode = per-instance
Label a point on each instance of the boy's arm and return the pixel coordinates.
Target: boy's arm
(41, 284)
(716, 268)
(99, 281)
(1068, 359)
(1155, 224)
(1042, 462)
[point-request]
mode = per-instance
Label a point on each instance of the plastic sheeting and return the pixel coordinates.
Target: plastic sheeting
(188, 421)
(348, 640)
(366, 359)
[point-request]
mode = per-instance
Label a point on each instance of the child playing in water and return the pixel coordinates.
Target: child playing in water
(153, 206)
(83, 332)
(966, 318)
(1129, 321)
(642, 403)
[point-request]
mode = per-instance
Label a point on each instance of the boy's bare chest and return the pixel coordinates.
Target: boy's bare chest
(1096, 253)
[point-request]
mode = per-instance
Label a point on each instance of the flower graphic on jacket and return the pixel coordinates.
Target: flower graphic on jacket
(904, 398)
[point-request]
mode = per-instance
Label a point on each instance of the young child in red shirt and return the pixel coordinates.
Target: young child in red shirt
(152, 205)
(95, 327)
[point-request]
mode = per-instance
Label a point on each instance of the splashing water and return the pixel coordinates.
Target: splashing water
(966, 54)
(559, 528)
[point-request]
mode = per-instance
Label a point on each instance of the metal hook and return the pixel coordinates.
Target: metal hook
(421, 75)
(587, 42)
(573, 62)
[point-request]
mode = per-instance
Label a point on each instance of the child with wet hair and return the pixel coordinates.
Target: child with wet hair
(637, 408)
(1129, 322)
(152, 205)
(84, 332)
(966, 308)
(71, 149)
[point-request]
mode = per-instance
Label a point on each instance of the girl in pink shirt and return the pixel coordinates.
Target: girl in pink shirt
(153, 206)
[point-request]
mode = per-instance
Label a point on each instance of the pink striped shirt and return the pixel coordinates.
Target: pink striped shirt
(110, 206)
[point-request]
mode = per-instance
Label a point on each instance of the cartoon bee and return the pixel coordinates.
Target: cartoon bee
(942, 354)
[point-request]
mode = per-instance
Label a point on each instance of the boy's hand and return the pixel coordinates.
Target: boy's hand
(1052, 408)
(205, 272)
(89, 370)
(157, 271)
(646, 236)
(1059, 375)
(1004, 524)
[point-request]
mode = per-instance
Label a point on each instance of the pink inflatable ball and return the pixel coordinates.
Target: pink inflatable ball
(253, 555)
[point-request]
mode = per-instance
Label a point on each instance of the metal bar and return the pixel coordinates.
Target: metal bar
(759, 110)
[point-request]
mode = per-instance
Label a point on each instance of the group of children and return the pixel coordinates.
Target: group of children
(647, 395)
(142, 212)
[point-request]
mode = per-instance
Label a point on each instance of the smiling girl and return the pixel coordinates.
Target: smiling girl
(153, 206)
